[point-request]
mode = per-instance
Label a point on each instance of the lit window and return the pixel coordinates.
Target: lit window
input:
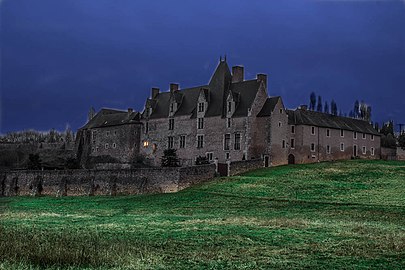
(200, 123)
(237, 141)
(312, 147)
(328, 132)
(364, 150)
(342, 147)
(145, 144)
(227, 140)
(200, 141)
(293, 129)
(182, 141)
(292, 143)
(313, 130)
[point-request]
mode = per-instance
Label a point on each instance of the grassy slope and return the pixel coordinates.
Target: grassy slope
(330, 215)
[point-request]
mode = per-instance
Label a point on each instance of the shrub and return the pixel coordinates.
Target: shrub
(170, 158)
(201, 160)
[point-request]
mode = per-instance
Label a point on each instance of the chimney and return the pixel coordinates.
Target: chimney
(130, 110)
(155, 91)
(237, 74)
(303, 107)
(174, 87)
(262, 77)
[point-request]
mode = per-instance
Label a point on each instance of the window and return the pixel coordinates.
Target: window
(283, 144)
(209, 156)
(355, 135)
(372, 151)
(228, 122)
(115, 132)
(94, 133)
(364, 135)
(342, 147)
(200, 123)
(229, 106)
(328, 149)
(342, 133)
(372, 137)
(145, 144)
(227, 156)
(106, 146)
(364, 150)
(292, 143)
(200, 141)
(281, 111)
(171, 124)
(227, 140)
(94, 142)
(97, 149)
(170, 142)
(114, 145)
(93, 149)
(279, 124)
(313, 130)
(328, 132)
(171, 107)
(146, 127)
(182, 141)
(293, 129)
(108, 133)
(312, 147)
(237, 141)
(201, 107)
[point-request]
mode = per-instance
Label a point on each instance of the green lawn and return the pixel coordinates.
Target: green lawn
(348, 215)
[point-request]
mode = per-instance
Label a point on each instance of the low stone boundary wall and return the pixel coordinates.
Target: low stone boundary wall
(400, 153)
(238, 167)
(102, 182)
(392, 153)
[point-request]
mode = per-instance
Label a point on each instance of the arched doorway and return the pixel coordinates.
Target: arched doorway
(291, 159)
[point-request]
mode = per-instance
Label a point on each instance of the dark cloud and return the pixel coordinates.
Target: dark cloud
(61, 57)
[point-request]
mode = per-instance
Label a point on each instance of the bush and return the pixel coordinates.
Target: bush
(201, 160)
(170, 158)
(388, 141)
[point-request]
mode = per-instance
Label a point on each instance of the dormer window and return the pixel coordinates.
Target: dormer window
(229, 106)
(171, 124)
(201, 107)
(171, 107)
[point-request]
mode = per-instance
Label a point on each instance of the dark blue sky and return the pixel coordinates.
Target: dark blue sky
(60, 57)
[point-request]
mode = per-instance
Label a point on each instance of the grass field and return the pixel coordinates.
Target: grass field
(347, 215)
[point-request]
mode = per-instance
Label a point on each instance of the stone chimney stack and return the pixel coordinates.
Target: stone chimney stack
(130, 110)
(237, 74)
(262, 78)
(155, 91)
(303, 107)
(174, 87)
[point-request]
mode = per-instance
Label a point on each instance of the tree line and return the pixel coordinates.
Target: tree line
(34, 136)
(360, 110)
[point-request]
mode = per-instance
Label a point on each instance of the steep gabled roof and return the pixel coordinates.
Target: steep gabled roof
(312, 118)
(111, 117)
(246, 91)
(268, 106)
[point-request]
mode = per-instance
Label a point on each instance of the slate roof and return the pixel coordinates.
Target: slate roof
(215, 92)
(268, 106)
(312, 118)
(111, 117)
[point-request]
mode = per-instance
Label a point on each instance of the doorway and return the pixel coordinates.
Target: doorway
(291, 159)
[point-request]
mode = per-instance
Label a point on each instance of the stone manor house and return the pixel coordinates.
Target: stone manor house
(228, 119)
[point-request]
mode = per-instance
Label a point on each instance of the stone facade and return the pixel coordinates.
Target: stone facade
(228, 120)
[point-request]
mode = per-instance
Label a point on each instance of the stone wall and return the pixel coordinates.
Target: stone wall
(102, 182)
(388, 153)
(400, 153)
(238, 167)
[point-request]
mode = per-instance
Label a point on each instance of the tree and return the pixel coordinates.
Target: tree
(312, 101)
(34, 162)
(401, 140)
(68, 135)
(388, 128)
(170, 158)
(356, 109)
(319, 106)
(376, 126)
(333, 107)
(388, 141)
(201, 160)
(326, 107)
